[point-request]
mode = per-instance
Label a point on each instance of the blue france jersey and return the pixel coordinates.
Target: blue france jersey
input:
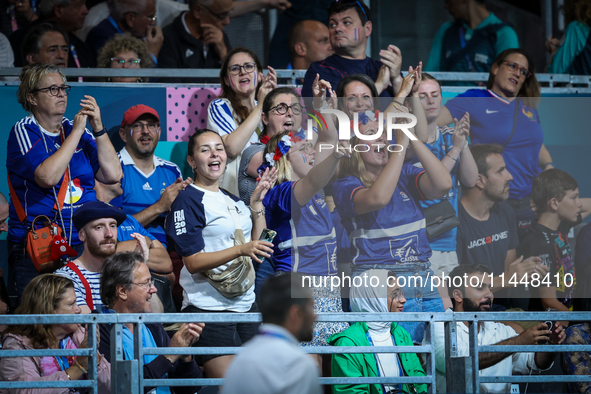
(28, 146)
(394, 234)
(143, 190)
(306, 238)
(491, 122)
(130, 226)
(445, 242)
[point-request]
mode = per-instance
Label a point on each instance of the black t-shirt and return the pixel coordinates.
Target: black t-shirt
(554, 249)
(487, 241)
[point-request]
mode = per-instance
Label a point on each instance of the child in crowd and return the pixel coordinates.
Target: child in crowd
(555, 195)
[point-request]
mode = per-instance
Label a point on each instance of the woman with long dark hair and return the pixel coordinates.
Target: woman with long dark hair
(236, 114)
(506, 114)
(214, 232)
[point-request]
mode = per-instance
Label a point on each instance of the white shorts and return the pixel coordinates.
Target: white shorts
(443, 262)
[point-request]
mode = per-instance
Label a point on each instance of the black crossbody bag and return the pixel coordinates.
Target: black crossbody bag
(442, 217)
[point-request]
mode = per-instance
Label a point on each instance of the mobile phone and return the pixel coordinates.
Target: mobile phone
(267, 235)
(550, 326)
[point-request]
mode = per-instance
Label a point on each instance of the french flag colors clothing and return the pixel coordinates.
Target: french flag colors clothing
(29, 145)
(130, 226)
(392, 235)
(143, 190)
(200, 221)
(445, 242)
(222, 119)
(491, 122)
(306, 239)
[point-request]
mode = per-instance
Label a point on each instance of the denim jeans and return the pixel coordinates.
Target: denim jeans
(264, 271)
(418, 298)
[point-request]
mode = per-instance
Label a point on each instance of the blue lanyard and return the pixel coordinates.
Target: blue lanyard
(276, 335)
(63, 360)
(110, 18)
(378, 363)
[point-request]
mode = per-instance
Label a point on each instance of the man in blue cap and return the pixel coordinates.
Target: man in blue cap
(96, 223)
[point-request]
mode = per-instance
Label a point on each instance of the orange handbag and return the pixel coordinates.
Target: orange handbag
(39, 242)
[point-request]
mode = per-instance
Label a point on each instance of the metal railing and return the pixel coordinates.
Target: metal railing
(551, 83)
(127, 375)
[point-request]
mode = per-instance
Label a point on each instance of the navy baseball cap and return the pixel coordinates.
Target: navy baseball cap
(97, 210)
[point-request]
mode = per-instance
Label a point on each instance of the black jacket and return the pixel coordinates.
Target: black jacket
(85, 56)
(181, 50)
(160, 365)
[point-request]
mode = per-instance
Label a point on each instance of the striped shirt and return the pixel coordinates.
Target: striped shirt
(222, 119)
(94, 281)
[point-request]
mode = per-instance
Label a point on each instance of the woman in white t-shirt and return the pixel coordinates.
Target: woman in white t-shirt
(236, 114)
(204, 223)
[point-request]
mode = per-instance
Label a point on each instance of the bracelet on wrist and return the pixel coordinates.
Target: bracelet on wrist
(456, 160)
(68, 375)
(99, 133)
(258, 213)
(77, 364)
(324, 106)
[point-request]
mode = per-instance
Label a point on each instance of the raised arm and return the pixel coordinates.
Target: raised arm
(328, 134)
(461, 151)
(259, 223)
(49, 173)
(110, 167)
(244, 7)
(149, 214)
(237, 139)
(380, 193)
(317, 178)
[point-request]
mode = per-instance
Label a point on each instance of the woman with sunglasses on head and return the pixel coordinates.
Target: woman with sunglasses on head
(236, 114)
(387, 297)
(124, 51)
(506, 114)
(52, 163)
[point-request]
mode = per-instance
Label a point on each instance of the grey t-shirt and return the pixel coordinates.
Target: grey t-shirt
(487, 242)
(246, 183)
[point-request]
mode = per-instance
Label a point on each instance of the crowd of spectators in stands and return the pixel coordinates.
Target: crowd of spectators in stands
(141, 238)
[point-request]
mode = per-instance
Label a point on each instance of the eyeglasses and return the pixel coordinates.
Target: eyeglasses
(248, 67)
(306, 148)
(138, 127)
(54, 90)
(514, 66)
(282, 108)
(221, 17)
(150, 18)
(121, 61)
(396, 294)
(145, 285)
